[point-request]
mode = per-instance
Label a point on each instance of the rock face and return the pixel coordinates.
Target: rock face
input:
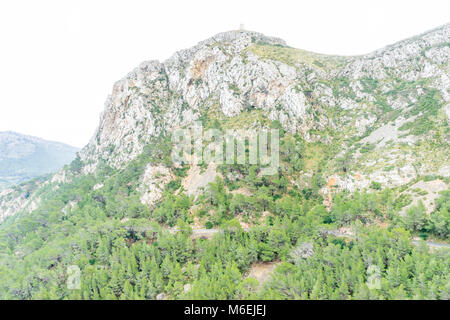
(24, 199)
(220, 72)
(25, 157)
(154, 180)
(238, 72)
(196, 180)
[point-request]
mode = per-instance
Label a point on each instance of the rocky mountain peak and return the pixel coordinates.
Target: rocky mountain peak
(232, 42)
(246, 79)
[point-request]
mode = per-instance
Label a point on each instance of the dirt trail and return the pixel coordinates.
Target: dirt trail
(433, 245)
(348, 234)
(202, 232)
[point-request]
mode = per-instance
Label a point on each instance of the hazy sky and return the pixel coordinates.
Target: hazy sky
(59, 59)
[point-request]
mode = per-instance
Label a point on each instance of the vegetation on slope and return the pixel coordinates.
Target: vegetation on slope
(126, 251)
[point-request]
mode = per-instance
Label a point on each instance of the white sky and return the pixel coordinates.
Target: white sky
(59, 59)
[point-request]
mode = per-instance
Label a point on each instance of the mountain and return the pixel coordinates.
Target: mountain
(398, 94)
(364, 170)
(24, 157)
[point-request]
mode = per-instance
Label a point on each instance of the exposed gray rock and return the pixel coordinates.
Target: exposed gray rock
(161, 296)
(225, 71)
(304, 250)
(154, 180)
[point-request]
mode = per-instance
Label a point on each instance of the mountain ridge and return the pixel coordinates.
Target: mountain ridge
(181, 85)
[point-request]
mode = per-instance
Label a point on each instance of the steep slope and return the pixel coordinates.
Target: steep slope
(24, 157)
(323, 98)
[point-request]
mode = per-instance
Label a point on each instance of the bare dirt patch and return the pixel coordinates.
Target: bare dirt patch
(195, 179)
(244, 191)
(261, 271)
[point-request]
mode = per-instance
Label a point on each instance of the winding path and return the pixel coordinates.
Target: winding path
(431, 244)
(209, 233)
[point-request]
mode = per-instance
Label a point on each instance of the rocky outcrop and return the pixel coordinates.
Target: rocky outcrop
(241, 71)
(13, 201)
(196, 180)
(160, 96)
(154, 180)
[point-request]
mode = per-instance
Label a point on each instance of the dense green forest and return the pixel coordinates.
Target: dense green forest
(125, 250)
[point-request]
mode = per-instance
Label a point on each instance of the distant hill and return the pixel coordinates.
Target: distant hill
(24, 157)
